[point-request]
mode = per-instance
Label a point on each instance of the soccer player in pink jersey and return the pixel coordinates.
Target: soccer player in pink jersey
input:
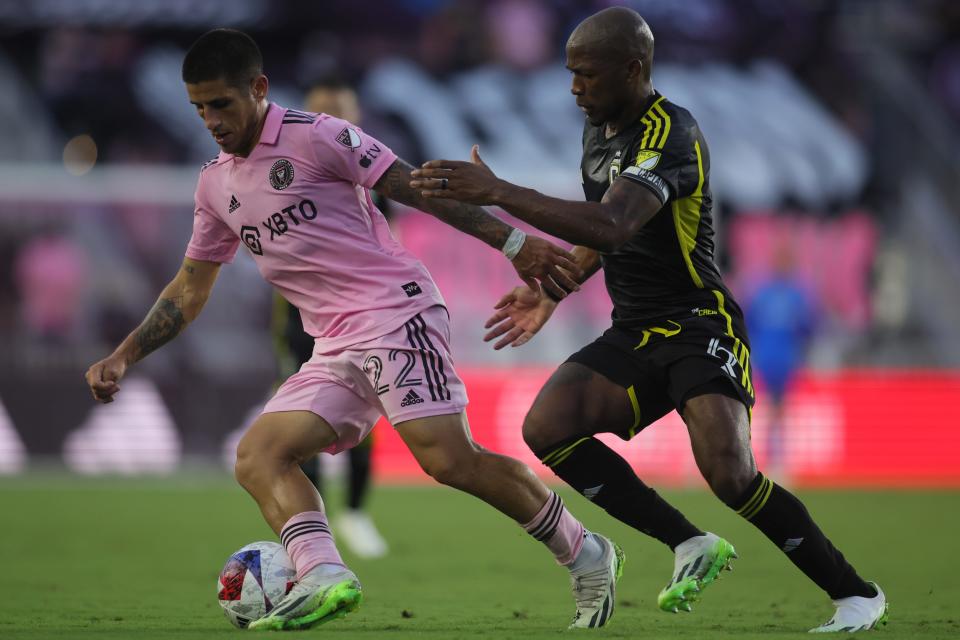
(294, 188)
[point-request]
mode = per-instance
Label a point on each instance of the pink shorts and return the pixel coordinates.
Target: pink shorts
(403, 375)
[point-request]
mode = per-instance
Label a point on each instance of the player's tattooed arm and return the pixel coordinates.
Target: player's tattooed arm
(161, 325)
(538, 262)
(471, 219)
(178, 305)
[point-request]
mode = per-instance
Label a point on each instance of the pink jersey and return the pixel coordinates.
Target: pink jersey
(301, 204)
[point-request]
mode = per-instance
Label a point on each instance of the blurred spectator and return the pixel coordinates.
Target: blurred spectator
(450, 40)
(781, 320)
(50, 274)
(522, 33)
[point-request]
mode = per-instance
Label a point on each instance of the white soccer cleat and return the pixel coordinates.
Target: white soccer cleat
(698, 563)
(856, 613)
(317, 598)
(356, 529)
(594, 587)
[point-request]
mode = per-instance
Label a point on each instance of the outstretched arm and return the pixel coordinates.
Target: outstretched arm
(522, 312)
(602, 226)
(179, 304)
(537, 259)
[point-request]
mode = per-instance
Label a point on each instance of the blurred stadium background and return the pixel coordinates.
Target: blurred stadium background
(833, 127)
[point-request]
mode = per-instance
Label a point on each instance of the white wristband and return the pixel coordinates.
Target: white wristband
(513, 244)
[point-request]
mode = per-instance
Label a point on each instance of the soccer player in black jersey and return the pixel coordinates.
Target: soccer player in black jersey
(678, 340)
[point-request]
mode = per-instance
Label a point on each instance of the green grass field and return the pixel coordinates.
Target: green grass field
(132, 558)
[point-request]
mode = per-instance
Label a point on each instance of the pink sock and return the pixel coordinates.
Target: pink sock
(558, 529)
(308, 541)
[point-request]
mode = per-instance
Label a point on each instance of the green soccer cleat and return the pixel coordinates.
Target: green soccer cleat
(594, 587)
(699, 561)
(314, 600)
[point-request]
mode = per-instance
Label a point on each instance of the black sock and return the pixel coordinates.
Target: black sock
(602, 476)
(784, 519)
(311, 468)
(359, 476)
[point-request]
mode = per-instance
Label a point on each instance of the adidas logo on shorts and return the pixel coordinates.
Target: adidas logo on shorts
(411, 398)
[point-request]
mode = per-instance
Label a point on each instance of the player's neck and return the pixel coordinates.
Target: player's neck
(262, 108)
(631, 113)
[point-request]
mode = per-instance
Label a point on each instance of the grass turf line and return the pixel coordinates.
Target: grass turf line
(122, 558)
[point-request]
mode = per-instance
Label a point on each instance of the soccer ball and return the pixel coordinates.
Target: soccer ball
(253, 581)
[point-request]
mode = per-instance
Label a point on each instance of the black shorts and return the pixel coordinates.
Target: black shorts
(663, 366)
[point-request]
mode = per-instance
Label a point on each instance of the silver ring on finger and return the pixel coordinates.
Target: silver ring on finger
(443, 183)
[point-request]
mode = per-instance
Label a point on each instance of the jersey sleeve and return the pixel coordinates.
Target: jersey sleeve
(346, 152)
(664, 156)
(212, 239)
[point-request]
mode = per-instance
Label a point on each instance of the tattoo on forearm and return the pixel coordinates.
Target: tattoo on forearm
(162, 325)
(471, 219)
(395, 184)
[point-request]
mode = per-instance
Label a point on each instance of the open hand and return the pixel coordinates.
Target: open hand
(520, 315)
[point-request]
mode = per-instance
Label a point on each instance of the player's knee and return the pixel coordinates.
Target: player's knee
(444, 470)
(729, 476)
(539, 428)
(452, 470)
(245, 469)
(258, 461)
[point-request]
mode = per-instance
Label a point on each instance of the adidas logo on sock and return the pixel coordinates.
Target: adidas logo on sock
(791, 544)
(411, 398)
(234, 204)
(592, 492)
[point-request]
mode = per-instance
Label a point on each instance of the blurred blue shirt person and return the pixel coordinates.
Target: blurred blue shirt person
(781, 317)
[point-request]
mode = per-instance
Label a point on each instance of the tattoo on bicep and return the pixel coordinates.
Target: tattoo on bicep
(189, 269)
(163, 323)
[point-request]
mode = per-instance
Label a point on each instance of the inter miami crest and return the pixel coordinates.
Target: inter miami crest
(281, 174)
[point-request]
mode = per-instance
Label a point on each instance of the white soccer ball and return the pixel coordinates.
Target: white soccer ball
(253, 581)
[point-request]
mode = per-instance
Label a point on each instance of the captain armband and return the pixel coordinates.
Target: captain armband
(650, 180)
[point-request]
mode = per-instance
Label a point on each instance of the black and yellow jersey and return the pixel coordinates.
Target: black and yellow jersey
(667, 269)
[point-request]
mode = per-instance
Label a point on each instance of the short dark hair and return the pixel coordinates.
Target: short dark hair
(225, 54)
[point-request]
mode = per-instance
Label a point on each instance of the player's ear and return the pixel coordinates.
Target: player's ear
(259, 87)
(635, 69)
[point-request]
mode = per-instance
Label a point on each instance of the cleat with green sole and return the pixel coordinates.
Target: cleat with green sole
(313, 601)
(699, 561)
